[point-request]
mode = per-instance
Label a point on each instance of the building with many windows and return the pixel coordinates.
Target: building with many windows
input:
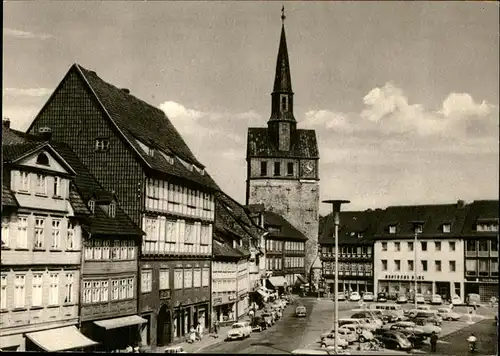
(356, 237)
(133, 150)
(439, 265)
(481, 249)
(42, 215)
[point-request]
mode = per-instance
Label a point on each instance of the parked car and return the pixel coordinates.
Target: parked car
(175, 350)
(341, 296)
(382, 297)
(436, 299)
(354, 297)
(448, 314)
(258, 323)
(412, 331)
(456, 300)
(430, 316)
(427, 326)
(473, 299)
(395, 340)
(368, 297)
(424, 307)
(368, 314)
(268, 318)
(402, 299)
(329, 340)
(273, 314)
(360, 334)
(420, 298)
(239, 330)
(300, 311)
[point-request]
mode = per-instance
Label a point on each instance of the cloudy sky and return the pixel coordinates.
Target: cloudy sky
(403, 96)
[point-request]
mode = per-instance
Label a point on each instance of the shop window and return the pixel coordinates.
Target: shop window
(470, 267)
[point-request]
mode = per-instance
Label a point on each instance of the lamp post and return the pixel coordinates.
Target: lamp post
(416, 224)
(336, 213)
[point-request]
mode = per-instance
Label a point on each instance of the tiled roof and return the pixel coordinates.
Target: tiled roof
(287, 230)
(432, 216)
(8, 198)
(14, 151)
(77, 203)
(255, 208)
(15, 137)
(481, 210)
(137, 119)
(352, 225)
(222, 249)
(260, 144)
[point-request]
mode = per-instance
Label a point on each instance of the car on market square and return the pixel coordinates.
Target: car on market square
(368, 297)
(258, 323)
(420, 298)
(448, 314)
(382, 297)
(239, 330)
(456, 300)
(301, 311)
(268, 318)
(354, 297)
(395, 340)
(368, 314)
(427, 327)
(329, 340)
(341, 297)
(359, 333)
(436, 299)
(174, 350)
(402, 299)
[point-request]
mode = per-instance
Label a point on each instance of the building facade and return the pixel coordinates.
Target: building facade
(439, 265)
(166, 192)
(481, 249)
(356, 238)
(41, 247)
(283, 162)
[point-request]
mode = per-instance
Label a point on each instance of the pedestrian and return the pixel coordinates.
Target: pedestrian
(434, 339)
(216, 328)
(192, 335)
(199, 331)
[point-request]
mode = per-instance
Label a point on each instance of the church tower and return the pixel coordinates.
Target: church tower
(282, 161)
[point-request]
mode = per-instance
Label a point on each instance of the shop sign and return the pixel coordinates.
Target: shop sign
(403, 277)
(486, 280)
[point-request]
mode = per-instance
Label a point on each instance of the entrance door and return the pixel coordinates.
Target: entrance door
(163, 327)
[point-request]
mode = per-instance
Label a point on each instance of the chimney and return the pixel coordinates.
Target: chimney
(460, 204)
(6, 123)
(125, 90)
(45, 133)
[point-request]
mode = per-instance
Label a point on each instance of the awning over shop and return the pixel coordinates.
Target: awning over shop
(120, 322)
(300, 280)
(278, 281)
(60, 339)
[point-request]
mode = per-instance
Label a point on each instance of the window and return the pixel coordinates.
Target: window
(446, 228)
(470, 267)
(97, 250)
(397, 246)
(57, 186)
(146, 280)
(101, 144)
(3, 292)
(483, 245)
(483, 267)
(114, 289)
(131, 249)
(493, 245)
(24, 185)
(452, 245)
(197, 278)
(263, 169)
(56, 234)
(164, 279)
(289, 169)
(104, 291)
(130, 288)
(423, 245)
(54, 289)
(437, 246)
(494, 267)
(410, 246)
(471, 245)
(384, 265)
(397, 265)
(19, 292)
(277, 169)
(123, 249)
(410, 265)
(392, 229)
(105, 249)
(205, 277)
(189, 235)
(68, 288)
(37, 283)
(39, 223)
(5, 233)
(42, 159)
(112, 210)
(41, 184)
(178, 276)
(384, 246)
(188, 278)
(438, 265)
(91, 205)
(70, 237)
(87, 292)
(453, 266)
(96, 291)
(424, 265)
(122, 293)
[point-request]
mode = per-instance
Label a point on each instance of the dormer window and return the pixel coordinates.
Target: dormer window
(112, 209)
(91, 205)
(42, 159)
(446, 228)
(360, 235)
(418, 229)
(101, 144)
(167, 157)
(392, 229)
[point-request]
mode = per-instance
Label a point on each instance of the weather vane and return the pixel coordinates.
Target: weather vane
(283, 17)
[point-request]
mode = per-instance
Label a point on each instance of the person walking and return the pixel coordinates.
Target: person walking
(434, 339)
(216, 328)
(199, 331)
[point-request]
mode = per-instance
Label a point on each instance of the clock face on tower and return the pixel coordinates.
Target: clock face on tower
(308, 169)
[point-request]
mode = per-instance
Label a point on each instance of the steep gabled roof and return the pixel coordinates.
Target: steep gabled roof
(286, 230)
(8, 198)
(221, 249)
(16, 137)
(356, 227)
(432, 216)
(303, 144)
(481, 210)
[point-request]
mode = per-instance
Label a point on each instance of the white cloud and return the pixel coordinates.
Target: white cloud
(328, 119)
(11, 32)
(462, 104)
(33, 92)
(175, 110)
(20, 116)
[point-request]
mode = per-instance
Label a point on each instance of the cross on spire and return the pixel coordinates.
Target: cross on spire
(283, 17)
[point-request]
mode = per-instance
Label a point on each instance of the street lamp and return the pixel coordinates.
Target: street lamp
(336, 213)
(416, 225)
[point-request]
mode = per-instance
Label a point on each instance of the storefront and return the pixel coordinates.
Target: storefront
(185, 317)
(278, 283)
(59, 339)
(405, 284)
(242, 306)
(485, 287)
(224, 309)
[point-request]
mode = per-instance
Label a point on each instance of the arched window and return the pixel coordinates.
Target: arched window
(42, 159)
